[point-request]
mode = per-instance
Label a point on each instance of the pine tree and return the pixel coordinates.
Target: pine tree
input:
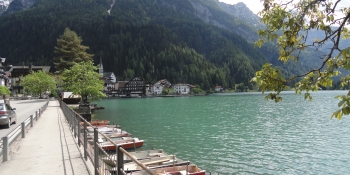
(70, 51)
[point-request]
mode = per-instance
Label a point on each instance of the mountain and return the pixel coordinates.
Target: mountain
(4, 5)
(17, 6)
(242, 12)
(201, 42)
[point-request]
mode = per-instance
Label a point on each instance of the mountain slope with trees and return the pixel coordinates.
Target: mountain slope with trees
(184, 41)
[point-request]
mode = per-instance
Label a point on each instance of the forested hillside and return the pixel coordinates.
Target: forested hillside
(184, 41)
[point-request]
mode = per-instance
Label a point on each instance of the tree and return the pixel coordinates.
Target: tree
(39, 83)
(4, 91)
(82, 79)
(289, 23)
(70, 50)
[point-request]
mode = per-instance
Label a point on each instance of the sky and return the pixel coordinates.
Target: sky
(255, 5)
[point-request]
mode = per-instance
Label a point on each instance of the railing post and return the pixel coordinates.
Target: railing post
(96, 163)
(72, 122)
(85, 140)
(120, 159)
(79, 132)
(74, 125)
(31, 121)
(5, 142)
(23, 129)
(36, 115)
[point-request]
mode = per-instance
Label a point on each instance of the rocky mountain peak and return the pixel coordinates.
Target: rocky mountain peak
(4, 5)
(241, 11)
(16, 5)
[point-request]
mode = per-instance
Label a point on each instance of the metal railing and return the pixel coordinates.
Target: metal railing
(88, 136)
(8, 141)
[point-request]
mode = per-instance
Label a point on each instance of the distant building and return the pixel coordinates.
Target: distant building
(16, 72)
(133, 88)
(109, 80)
(182, 89)
(219, 89)
(148, 88)
(108, 77)
(158, 87)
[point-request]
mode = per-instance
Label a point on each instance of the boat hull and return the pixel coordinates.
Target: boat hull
(129, 145)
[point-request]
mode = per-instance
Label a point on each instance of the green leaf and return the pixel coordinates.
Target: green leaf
(341, 103)
(346, 110)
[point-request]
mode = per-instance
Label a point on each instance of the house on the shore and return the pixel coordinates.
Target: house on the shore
(109, 79)
(133, 88)
(219, 89)
(182, 89)
(148, 88)
(158, 87)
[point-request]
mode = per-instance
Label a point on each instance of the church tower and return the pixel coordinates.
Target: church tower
(100, 69)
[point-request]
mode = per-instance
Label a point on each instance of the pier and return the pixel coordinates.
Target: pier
(49, 147)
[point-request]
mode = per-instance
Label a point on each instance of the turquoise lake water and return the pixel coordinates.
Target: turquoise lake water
(240, 133)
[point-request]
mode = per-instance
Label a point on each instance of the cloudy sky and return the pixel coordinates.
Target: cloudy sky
(255, 5)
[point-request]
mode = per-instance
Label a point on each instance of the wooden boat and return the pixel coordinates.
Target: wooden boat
(99, 122)
(106, 130)
(125, 142)
(111, 160)
(154, 162)
(110, 132)
(173, 170)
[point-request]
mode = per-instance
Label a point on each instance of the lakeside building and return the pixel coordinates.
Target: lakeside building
(219, 89)
(133, 88)
(182, 89)
(158, 87)
(109, 79)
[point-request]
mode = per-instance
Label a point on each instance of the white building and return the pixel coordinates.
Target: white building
(182, 89)
(219, 89)
(108, 77)
(157, 89)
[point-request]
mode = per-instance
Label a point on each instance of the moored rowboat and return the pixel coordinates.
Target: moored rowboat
(99, 122)
(173, 170)
(139, 155)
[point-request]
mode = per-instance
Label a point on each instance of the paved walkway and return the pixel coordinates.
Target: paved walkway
(48, 148)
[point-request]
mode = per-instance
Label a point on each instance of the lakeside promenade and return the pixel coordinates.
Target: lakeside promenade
(48, 148)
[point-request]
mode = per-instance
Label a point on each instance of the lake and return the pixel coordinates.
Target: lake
(240, 133)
